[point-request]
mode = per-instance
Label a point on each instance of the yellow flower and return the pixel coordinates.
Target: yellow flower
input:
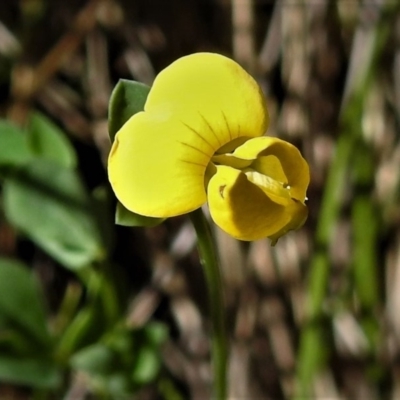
(200, 137)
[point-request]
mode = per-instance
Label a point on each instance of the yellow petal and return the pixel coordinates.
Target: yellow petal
(231, 161)
(211, 94)
(291, 169)
(298, 212)
(272, 188)
(242, 209)
(157, 165)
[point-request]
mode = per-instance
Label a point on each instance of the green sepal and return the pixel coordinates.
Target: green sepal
(125, 217)
(127, 99)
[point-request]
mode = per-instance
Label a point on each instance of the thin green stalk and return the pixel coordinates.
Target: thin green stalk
(209, 261)
(365, 232)
(365, 221)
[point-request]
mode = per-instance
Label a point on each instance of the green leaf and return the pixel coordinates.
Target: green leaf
(48, 203)
(49, 142)
(168, 389)
(21, 302)
(119, 386)
(17, 341)
(84, 329)
(156, 333)
(125, 217)
(123, 359)
(40, 373)
(148, 359)
(14, 147)
(127, 99)
(147, 365)
(97, 359)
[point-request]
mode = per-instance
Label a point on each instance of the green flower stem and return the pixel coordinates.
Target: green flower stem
(209, 261)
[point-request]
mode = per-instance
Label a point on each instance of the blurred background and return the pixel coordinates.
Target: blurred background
(91, 310)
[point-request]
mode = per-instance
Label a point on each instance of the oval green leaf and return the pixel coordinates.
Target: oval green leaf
(48, 203)
(49, 142)
(14, 147)
(21, 302)
(40, 373)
